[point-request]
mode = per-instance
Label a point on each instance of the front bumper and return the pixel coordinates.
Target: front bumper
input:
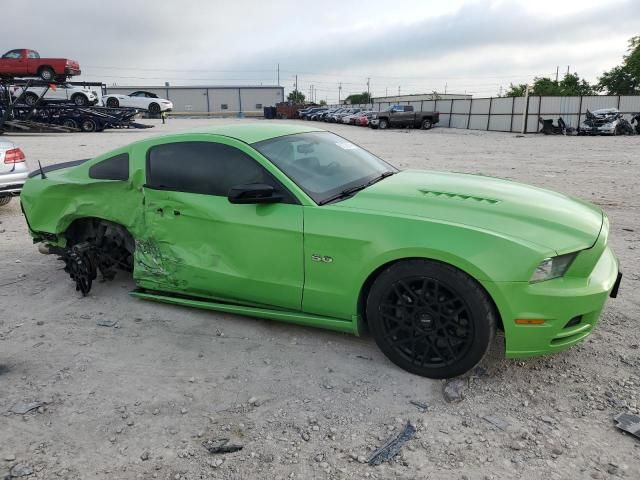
(569, 306)
(71, 71)
(11, 183)
(166, 107)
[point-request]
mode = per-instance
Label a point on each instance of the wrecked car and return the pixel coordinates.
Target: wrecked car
(300, 225)
(606, 121)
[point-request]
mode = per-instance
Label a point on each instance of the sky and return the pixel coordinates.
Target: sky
(476, 47)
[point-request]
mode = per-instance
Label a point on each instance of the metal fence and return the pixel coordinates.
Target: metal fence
(507, 114)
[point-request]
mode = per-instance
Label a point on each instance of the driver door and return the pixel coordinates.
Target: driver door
(199, 243)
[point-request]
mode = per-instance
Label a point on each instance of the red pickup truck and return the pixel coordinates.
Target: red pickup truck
(27, 63)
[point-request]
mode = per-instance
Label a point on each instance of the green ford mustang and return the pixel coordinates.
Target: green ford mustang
(300, 225)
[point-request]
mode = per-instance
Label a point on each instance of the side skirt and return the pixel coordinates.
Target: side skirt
(299, 318)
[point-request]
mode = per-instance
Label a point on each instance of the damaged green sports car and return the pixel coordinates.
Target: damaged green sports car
(300, 225)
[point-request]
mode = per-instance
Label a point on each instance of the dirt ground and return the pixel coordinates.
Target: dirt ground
(138, 399)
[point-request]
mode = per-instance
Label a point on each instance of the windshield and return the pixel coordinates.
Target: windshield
(322, 163)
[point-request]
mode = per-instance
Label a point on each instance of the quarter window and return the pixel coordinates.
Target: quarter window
(224, 106)
(205, 167)
(114, 168)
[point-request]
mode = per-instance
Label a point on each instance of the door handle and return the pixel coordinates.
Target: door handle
(176, 212)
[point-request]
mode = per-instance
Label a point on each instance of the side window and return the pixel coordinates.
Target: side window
(114, 168)
(224, 106)
(13, 54)
(32, 54)
(205, 167)
(258, 106)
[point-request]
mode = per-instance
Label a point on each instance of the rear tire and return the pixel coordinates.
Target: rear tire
(113, 102)
(383, 124)
(154, 108)
(47, 74)
(4, 201)
(80, 100)
(88, 125)
(70, 123)
(430, 318)
(427, 124)
(30, 99)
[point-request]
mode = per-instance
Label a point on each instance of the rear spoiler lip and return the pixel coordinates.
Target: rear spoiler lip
(57, 166)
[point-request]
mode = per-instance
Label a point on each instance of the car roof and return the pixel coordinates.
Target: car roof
(252, 133)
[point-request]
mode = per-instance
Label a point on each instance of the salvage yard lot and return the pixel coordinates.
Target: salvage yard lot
(138, 399)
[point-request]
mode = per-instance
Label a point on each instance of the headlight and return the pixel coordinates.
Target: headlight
(552, 267)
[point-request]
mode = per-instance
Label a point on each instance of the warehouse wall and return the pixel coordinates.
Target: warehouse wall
(214, 100)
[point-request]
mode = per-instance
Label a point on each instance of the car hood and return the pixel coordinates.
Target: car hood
(535, 215)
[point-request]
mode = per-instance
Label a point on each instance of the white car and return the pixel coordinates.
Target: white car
(63, 92)
(140, 99)
(13, 171)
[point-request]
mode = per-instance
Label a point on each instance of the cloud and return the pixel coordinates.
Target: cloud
(421, 45)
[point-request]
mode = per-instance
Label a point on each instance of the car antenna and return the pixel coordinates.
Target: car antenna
(41, 170)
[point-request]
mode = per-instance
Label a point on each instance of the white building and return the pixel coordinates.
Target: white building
(213, 100)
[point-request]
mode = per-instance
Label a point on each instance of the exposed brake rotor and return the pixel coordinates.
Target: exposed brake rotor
(80, 267)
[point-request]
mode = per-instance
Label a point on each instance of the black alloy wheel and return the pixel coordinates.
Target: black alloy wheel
(430, 318)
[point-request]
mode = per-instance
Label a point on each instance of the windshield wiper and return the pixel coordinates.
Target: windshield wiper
(347, 192)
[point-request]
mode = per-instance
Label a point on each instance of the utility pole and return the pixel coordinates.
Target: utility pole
(296, 83)
(339, 90)
(568, 69)
(278, 74)
(368, 91)
(386, 91)
(557, 71)
(398, 90)
(445, 88)
(525, 110)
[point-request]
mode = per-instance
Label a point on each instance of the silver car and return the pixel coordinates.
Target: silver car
(13, 171)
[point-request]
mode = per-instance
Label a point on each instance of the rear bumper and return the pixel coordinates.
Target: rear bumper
(570, 308)
(11, 183)
(72, 71)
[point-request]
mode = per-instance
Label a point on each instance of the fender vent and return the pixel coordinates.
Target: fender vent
(458, 196)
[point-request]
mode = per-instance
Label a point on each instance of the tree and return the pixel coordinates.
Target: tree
(296, 97)
(624, 79)
(358, 98)
(516, 90)
(571, 84)
(323, 103)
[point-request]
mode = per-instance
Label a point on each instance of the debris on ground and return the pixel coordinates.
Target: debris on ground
(453, 390)
(423, 407)
(105, 322)
(21, 408)
(629, 423)
(221, 446)
(20, 470)
(392, 447)
(497, 422)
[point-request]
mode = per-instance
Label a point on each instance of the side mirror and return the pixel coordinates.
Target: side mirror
(253, 193)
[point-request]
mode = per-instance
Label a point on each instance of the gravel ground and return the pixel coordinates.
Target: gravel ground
(138, 399)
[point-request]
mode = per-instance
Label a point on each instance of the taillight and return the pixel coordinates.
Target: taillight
(15, 155)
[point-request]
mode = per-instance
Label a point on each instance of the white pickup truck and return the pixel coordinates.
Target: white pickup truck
(81, 96)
